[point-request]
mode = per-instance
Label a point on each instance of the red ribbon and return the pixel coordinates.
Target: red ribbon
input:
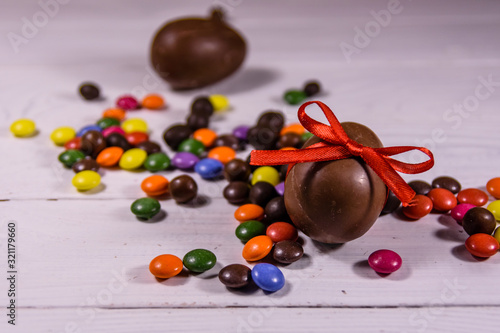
(337, 145)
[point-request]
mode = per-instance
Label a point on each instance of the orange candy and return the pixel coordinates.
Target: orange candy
(153, 102)
(442, 199)
(109, 157)
(165, 266)
(294, 128)
(249, 212)
(257, 248)
(493, 187)
(280, 231)
(421, 206)
(482, 245)
(205, 136)
(135, 138)
(155, 185)
(473, 196)
(115, 113)
(223, 154)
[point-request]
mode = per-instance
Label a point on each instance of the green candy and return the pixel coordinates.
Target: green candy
(199, 260)
(157, 162)
(70, 157)
(250, 229)
(107, 122)
(192, 146)
(306, 136)
(145, 208)
(294, 97)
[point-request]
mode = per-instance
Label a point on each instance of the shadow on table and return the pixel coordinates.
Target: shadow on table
(141, 274)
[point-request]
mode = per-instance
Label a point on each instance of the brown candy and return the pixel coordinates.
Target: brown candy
(449, 183)
(287, 251)
(92, 143)
(479, 220)
(237, 170)
(87, 163)
(235, 276)
(237, 192)
(183, 188)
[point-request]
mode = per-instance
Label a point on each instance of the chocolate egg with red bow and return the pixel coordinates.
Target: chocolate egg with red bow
(336, 201)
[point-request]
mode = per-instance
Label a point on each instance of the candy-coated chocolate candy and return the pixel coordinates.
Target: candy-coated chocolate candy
(280, 188)
(262, 137)
(74, 143)
(183, 188)
(127, 102)
(196, 122)
(134, 125)
(223, 154)
(266, 174)
(192, 146)
(110, 156)
(112, 129)
(290, 139)
(153, 102)
(493, 187)
(442, 199)
(294, 97)
(132, 159)
(261, 193)
(199, 260)
(88, 163)
(241, 132)
(287, 251)
(235, 276)
(276, 210)
(202, 106)
(274, 120)
(312, 88)
(107, 122)
(228, 140)
(494, 208)
(306, 136)
(496, 234)
(249, 212)
(479, 220)
(449, 183)
(268, 277)
(209, 168)
(219, 102)
(250, 229)
(237, 170)
(23, 128)
(482, 245)
(116, 113)
(385, 261)
(70, 157)
(175, 134)
(86, 180)
(473, 196)
(165, 266)
(185, 160)
(459, 211)
(280, 231)
(257, 248)
(134, 138)
(296, 128)
(157, 162)
(420, 187)
(205, 136)
(149, 147)
(145, 208)
(89, 91)
(88, 128)
(92, 143)
(422, 206)
(391, 204)
(118, 140)
(61, 135)
(237, 192)
(155, 185)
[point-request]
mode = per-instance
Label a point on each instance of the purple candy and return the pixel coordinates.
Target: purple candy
(127, 102)
(185, 160)
(385, 261)
(112, 129)
(280, 188)
(241, 132)
(459, 211)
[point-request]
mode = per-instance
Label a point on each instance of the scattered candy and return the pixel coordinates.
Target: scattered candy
(223, 154)
(88, 163)
(280, 231)
(287, 251)
(23, 128)
(107, 122)
(493, 187)
(149, 147)
(482, 245)
(236, 192)
(127, 102)
(312, 88)
(136, 138)
(155, 185)
(472, 196)
(257, 248)
(422, 206)
(134, 125)
(442, 199)
(92, 143)
(268, 277)
(145, 208)
(199, 260)
(459, 211)
(86, 180)
(420, 187)
(385, 261)
(88, 128)
(74, 143)
(153, 102)
(391, 204)
(202, 106)
(165, 266)
(183, 189)
(110, 156)
(280, 188)
(249, 212)
(250, 229)
(235, 276)
(89, 91)
(241, 132)
(237, 170)
(479, 220)
(118, 140)
(494, 208)
(62, 135)
(209, 168)
(496, 234)
(70, 157)
(219, 102)
(185, 160)
(132, 159)
(449, 183)
(191, 146)
(116, 113)
(175, 134)
(294, 97)
(276, 210)
(228, 140)
(261, 193)
(266, 174)
(293, 128)
(112, 129)
(157, 162)
(205, 136)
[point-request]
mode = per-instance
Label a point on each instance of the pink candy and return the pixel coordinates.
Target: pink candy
(385, 261)
(112, 129)
(459, 211)
(127, 102)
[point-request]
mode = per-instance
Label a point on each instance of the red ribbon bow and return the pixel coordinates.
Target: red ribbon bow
(337, 145)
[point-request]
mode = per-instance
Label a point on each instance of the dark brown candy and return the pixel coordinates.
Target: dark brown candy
(235, 276)
(287, 251)
(420, 187)
(237, 192)
(392, 203)
(117, 140)
(202, 106)
(336, 201)
(276, 211)
(449, 183)
(311, 88)
(92, 143)
(237, 169)
(89, 91)
(262, 138)
(149, 147)
(273, 120)
(87, 163)
(261, 193)
(479, 220)
(290, 140)
(175, 134)
(196, 122)
(194, 52)
(228, 140)
(183, 189)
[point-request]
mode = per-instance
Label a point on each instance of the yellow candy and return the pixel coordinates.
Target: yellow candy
(133, 159)
(266, 174)
(494, 208)
(134, 125)
(496, 234)
(61, 135)
(219, 102)
(86, 180)
(23, 127)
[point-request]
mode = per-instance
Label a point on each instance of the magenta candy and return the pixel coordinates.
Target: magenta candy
(385, 261)
(241, 132)
(112, 129)
(185, 160)
(280, 188)
(459, 211)
(127, 102)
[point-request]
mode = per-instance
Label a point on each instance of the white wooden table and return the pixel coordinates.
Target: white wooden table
(82, 258)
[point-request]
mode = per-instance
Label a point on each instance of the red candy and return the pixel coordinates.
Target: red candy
(482, 245)
(73, 143)
(280, 231)
(472, 196)
(421, 206)
(385, 261)
(442, 199)
(135, 138)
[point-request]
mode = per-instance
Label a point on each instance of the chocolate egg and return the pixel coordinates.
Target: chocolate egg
(336, 201)
(194, 52)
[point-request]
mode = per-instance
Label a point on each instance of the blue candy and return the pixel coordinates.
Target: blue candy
(209, 168)
(88, 128)
(268, 277)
